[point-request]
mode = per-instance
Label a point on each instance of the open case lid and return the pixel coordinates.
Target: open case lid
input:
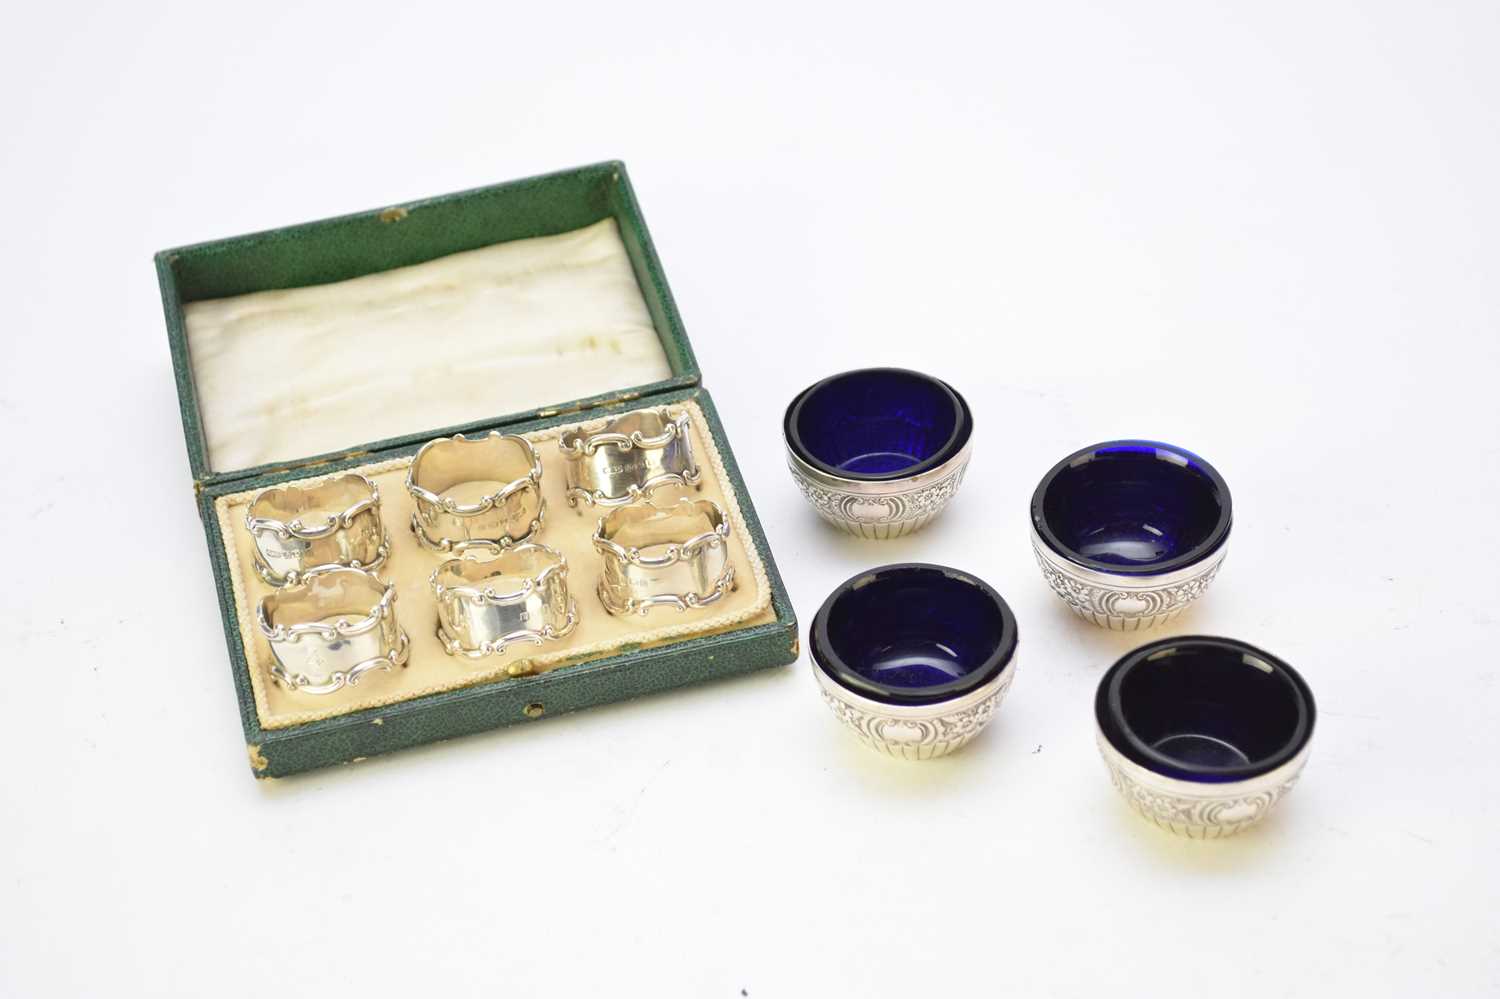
(364, 333)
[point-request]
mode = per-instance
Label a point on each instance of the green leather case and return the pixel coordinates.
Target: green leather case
(397, 236)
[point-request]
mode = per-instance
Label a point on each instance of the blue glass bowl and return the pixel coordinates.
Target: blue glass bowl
(1132, 508)
(1203, 735)
(877, 424)
(1129, 532)
(914, 657)
(879, 451)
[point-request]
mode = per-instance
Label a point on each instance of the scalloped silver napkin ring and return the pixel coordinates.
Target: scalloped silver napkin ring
(299, 529)
(492, 597)
(330, 629)
(629, 457)
(659, 555)
(481, 489)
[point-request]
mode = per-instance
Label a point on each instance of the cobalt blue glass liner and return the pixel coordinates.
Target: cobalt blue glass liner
(1205, 709)
(876, 424)
(1132, 508)
(913, 634)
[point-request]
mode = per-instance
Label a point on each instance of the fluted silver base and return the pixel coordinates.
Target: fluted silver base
(879, 531)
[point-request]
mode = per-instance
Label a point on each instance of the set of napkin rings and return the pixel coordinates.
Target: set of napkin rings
(331, 619)
(479, 500)
(655, 553)
(480, 491)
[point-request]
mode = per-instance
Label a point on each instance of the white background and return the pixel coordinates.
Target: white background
(1264, 231)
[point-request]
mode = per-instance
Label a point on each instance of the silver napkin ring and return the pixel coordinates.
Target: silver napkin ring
(493, 597)
(655, 555)
(299, 529)
(484, 489)
(330, 629)
(631, 456)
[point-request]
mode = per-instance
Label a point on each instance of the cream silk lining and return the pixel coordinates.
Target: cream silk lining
(430, 670)
(507, 328)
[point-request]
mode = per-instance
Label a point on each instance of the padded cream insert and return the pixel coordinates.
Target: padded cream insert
(283, 375)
